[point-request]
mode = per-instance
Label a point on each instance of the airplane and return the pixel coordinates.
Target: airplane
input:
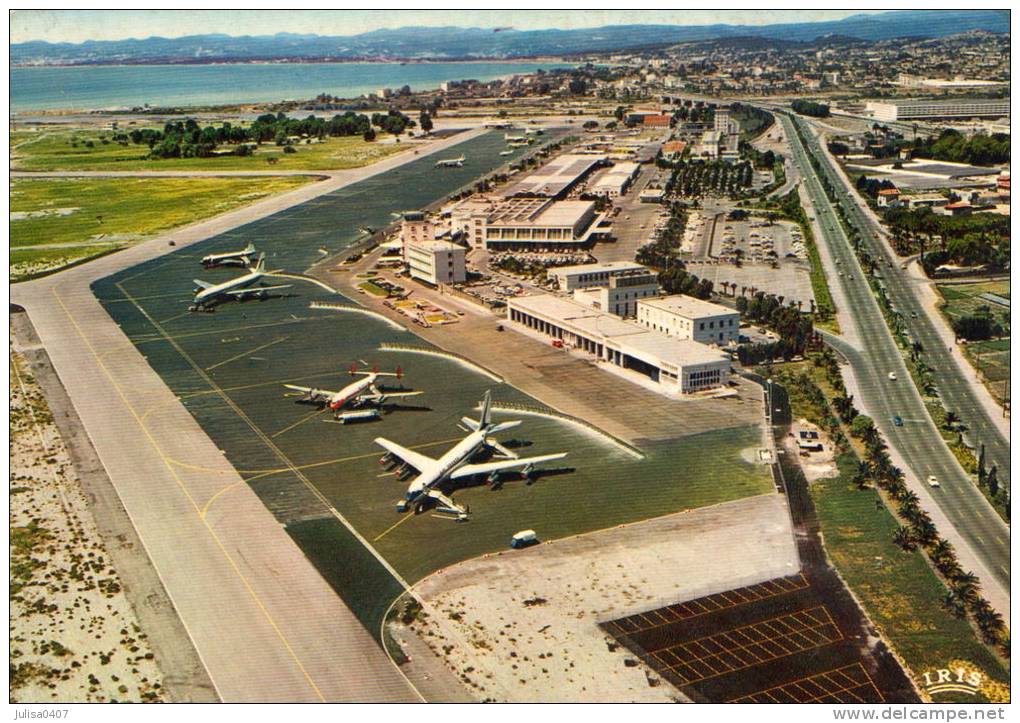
(533, 132)
(238, 288)
(450, 162)
(455, 463)
(354, 396)
(514, 139)
(242, 257)
(506, 153)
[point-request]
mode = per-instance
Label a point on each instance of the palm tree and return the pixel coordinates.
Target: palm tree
(952, 602)
(904, 539)
(966, 585)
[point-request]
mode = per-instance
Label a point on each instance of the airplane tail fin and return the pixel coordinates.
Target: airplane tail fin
(260, 265)
(486, 417)
(250, 248)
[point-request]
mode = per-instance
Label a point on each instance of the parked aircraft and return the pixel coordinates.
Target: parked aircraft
(355, 395)
(238, 289)
(242, 257)
(450, 162)
(456, 464)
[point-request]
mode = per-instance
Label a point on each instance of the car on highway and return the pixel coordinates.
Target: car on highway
(933, 481)
(897, 420)
(892, 376)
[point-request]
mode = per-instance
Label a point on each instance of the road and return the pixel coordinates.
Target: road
(266, 625)
(953, 376)
(918, 442)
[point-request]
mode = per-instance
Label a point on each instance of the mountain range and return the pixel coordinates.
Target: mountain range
(456, 43)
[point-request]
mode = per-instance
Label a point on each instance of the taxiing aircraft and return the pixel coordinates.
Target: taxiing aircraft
(242, 257)
(238, 288)
(355, 395)
(514, 139)
(455, 464)
(450, 162)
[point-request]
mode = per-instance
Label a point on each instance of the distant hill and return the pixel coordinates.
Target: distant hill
(455, 43)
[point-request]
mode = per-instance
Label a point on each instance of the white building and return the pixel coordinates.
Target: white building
(678, 365)
(688, 318)
(920, 109)
(556, 178)
(615, 182)
(586, 276)
(539, 223)
(620, 297)
(436, 262)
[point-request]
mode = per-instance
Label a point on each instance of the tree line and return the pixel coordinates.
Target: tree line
(187, 139)
(811, 108)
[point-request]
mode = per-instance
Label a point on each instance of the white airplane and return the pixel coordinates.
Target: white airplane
(242, 257)
(355, 395)
(506, 153)
(450, 162)
(455, 463)
(238, 288)
(516, 139)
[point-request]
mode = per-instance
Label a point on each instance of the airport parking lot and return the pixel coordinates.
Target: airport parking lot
(758, 246)
(781, 640)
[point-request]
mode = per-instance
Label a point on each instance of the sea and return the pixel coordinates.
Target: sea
(115, 87)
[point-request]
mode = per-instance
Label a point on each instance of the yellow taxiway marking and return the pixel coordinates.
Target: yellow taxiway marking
(274, 342)
(298, 422)
(184, 490)
(310, 465)
(270, 383)
(147, 338)
(394, 526)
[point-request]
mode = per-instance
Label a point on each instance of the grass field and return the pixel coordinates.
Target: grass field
(81, 217)
(67, 150)
(991, 358)
(898, 590)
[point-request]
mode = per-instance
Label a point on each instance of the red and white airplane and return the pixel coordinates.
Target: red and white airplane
(355, 395)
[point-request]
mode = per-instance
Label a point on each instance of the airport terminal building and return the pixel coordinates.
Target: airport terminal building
(678, 365)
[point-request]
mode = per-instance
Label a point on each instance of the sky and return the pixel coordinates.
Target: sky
(75, 26)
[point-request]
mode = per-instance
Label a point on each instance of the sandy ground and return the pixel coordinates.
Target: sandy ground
(74, 636)
(816, 465)
(522, 625)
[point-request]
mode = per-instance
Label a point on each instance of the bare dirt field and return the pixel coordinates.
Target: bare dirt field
(523, 625)
(74, 635)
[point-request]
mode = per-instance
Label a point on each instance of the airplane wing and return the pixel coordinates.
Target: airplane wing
(311, 391)
(419, 461)
(388, 395)
(445, 501)
(469, 470)
(202, 284)
(254, 290)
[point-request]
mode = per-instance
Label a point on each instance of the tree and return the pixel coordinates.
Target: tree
(425, 121)
(993, 481)
(369, 135)
(862, 426)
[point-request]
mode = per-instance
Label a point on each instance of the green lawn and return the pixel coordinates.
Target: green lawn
(991, 358)
(899, 591)
(67, 150)
(79, 218)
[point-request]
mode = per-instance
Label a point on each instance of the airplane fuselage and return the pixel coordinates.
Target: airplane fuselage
(351, 392)
(454, 458)
(239, 283)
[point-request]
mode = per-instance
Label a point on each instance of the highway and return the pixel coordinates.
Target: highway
(956, 391)
(917, 442)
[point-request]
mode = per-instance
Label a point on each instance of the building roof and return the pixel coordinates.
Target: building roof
(674, 147)
(555, 177)
(627, 336)
(889, 192)
(435, 245)
(687, 306)
(617, 266)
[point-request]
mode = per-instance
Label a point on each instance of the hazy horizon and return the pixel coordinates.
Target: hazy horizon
(77, 26)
